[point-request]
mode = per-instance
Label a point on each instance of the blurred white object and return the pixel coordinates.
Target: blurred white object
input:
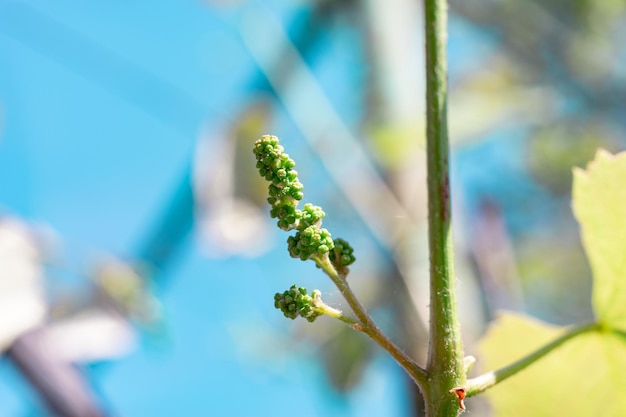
(93, 334)
(396, 41)
(22, 305)
(90, 336)
(229, 224)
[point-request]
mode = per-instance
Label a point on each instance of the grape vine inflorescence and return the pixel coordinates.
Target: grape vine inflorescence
(310, 241)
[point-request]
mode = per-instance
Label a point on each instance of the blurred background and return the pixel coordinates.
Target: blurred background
(138, 262)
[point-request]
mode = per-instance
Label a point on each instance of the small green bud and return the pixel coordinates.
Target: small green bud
(286, 162)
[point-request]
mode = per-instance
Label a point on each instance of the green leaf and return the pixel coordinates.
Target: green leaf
(585, 375)
(581, 378)
(600, 206)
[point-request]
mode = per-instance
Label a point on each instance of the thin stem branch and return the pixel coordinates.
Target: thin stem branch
(366, 324)
(334, 313)
(483, 382)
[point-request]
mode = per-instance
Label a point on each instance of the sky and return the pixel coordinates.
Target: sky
(102, 105)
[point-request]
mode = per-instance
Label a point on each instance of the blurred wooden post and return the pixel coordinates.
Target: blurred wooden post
(60, 384)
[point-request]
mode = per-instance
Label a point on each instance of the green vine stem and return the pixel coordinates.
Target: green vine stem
(445, 355)
(483, 382)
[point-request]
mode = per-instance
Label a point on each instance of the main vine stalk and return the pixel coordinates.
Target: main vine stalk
(445, 355)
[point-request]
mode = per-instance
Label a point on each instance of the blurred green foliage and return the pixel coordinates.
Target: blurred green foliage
(583, 376)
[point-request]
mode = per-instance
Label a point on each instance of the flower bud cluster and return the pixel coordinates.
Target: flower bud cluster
(343, 254)
(285, 193)
(296, 302)
(310, 242)
(311, 215)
